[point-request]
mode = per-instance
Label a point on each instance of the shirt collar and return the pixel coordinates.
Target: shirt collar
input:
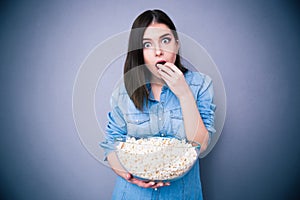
(151, 97)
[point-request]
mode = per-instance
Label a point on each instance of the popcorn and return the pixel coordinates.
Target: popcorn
(156, 158)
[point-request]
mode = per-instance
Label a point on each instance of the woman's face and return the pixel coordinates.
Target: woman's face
(159, 44)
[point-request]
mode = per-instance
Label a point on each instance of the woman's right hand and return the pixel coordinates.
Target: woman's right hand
(144, 184)
(117, 167)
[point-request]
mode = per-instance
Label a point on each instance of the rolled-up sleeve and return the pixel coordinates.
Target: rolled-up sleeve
(116, 127)
(206, 106)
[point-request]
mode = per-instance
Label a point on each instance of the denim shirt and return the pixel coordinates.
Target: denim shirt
(158, 118)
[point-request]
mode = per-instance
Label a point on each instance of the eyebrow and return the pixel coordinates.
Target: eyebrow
(167, 34)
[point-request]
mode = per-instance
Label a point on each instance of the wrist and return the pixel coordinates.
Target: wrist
(188, 95)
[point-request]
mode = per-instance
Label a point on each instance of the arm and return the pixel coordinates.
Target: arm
(198, 114)
(119, 170)
(116, 128)
(194, 127)
(116, 165)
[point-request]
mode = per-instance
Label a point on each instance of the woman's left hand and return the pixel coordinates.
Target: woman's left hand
(145, 184)
(174, 78)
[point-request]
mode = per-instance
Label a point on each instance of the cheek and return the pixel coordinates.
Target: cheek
(146, 54)
(171, 54)
(171, 57)
(174, 57)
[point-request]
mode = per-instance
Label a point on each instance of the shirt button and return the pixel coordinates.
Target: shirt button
(162, 135)
(159, 119)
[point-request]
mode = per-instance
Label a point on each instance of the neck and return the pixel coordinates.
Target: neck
(156, 90)
(157, 81)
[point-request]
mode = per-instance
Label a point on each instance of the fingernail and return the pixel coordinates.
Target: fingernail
(152, 183)
(168, 184)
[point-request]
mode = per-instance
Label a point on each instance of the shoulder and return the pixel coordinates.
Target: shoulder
(197, 78)
(119, 94)
(119, 89)
(121, 100)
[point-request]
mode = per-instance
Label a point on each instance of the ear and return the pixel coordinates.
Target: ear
(178, 45)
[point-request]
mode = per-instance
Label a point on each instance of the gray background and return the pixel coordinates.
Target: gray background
(255, 45)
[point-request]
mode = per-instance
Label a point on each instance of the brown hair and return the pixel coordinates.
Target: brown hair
(135, 80)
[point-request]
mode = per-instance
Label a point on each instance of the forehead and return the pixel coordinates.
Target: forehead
(156, 30)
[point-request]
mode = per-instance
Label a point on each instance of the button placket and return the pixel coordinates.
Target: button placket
(161, 119)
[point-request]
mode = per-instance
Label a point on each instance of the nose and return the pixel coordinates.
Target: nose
(158, 50)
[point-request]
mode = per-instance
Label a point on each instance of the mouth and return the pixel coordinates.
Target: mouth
(160, 62)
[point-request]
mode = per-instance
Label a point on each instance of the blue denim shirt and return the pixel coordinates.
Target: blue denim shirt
(158, 118)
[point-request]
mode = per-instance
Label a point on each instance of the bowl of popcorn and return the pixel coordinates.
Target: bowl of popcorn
(157, 158)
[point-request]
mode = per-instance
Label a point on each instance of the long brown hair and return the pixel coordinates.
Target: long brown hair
(134, 68)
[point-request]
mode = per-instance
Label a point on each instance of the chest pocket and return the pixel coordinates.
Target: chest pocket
(177, 124)
(138, 125)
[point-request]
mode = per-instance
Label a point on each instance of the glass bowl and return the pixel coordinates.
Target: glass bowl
(157, 158)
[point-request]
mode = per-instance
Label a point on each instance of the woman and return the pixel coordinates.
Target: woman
(159, 97)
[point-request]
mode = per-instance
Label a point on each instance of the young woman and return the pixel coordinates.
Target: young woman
(159, 97)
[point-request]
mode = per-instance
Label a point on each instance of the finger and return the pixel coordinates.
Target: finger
(128, 176)
(166, 77)
(142, 183)
(173, 67)
(157, 185)
(134, 181)
(149, 184)
(160, 184)
(166, 69)
(131, 179)
(145, 185)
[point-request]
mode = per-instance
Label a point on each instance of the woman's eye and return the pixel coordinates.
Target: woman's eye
(147, 44)
(166, 40)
